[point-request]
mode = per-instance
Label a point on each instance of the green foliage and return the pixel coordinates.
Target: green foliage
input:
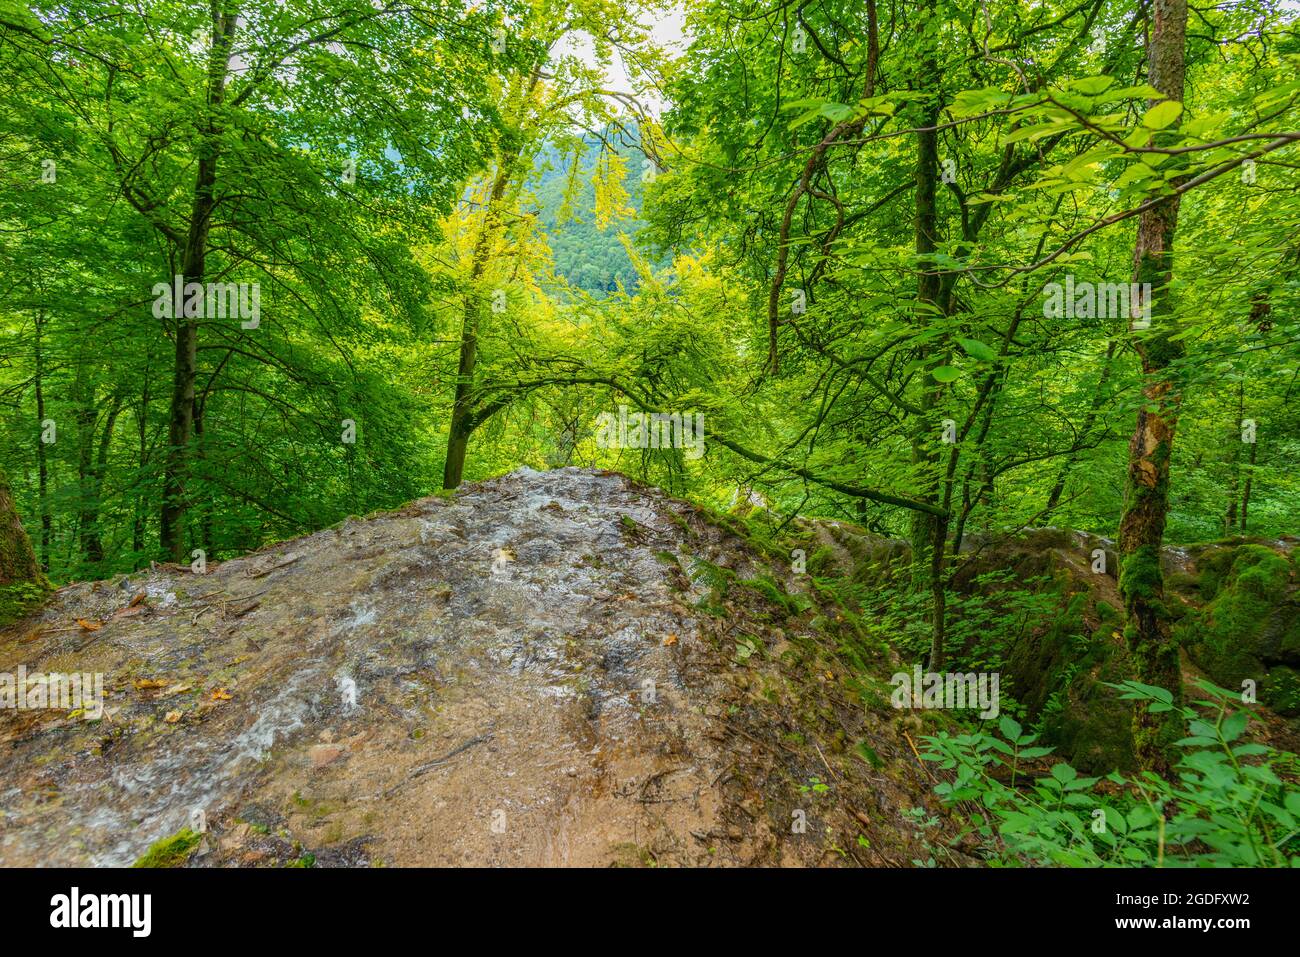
(838, 242)
(1231, 803)
(20, 599)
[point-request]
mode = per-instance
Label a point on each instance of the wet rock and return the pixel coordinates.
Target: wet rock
(484, 681)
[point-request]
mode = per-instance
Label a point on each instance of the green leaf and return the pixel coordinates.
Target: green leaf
(1093, 85)
(946, 374)
(1009, 727)
(1064, 773)
(1162, 114)
(977, 350)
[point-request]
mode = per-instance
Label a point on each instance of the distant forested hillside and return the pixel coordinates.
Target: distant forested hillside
(589, 253)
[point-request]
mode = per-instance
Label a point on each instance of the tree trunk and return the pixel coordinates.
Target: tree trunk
(42, 460)
(925, 455)
(141, 485)
(194, 262)
(83, 399)
(1245, 492)
(91, 540)
(462, 409)
(1146, 502)
(1089, 422)
(1234, 476)
(17, 560)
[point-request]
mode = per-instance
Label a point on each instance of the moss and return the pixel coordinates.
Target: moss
(821, 562)
(773, 592)
(1212, 567)
(1251, 628)
(1141, 575)
(1107, 614)
(1092, 728)
(171, 851)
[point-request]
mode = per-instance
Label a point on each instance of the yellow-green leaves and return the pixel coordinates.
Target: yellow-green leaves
(1162, 114)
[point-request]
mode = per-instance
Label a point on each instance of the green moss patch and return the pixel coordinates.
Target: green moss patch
(171, 851)
(1250, 630)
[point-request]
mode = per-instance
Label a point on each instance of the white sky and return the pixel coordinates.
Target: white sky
(667, 29)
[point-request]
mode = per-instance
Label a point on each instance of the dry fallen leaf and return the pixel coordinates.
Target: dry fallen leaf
(670, 640)
(172, 717)
(145, 684)
(221, 694)
(140, 596)
(176, 689)
(89, 625)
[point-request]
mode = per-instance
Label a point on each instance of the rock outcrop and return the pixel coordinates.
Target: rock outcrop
(547, 668)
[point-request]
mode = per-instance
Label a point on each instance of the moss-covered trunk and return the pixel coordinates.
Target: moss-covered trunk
(18, 563)
(1146, 502)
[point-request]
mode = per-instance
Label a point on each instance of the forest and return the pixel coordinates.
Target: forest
(982, 317)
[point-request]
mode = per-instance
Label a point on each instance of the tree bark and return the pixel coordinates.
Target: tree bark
(92, 543)
(194, 263)
(1146, 503)
(1245, 492)
(17, 560)
(462, 409)
(925, 455)
(42, 459)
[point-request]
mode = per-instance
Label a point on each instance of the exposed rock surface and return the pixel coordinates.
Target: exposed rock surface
(549, 668)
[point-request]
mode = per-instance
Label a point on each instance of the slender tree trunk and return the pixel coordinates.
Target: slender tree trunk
(91, 539)
(929, 533)
(83, 398)
(1234, 476)
(42, 461)
(463, 405)
(194, 263)
(1245, 492)
(142, 494)
(1146, 502)
(205, 509)
(925, 456)
(1089, 423)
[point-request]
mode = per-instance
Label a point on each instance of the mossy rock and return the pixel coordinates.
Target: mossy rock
(171, 851)
(1092, 728)
(1251, 627)
(1059, 676)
